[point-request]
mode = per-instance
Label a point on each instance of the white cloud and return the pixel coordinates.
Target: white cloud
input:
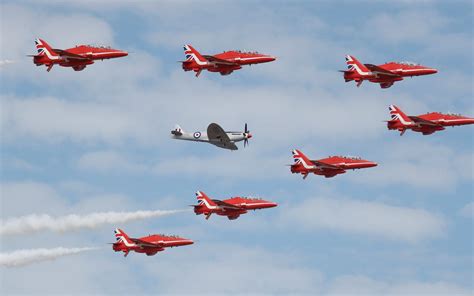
(468, 210)
(109, 161)
(50, 119)
(19, 198)
(367, 218)
(405, 26)
(420, 164)
(218, 268)
(363, 285)
(20, 164)
(238, 166)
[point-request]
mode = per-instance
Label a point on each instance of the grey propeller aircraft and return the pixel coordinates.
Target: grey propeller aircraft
(215, 135)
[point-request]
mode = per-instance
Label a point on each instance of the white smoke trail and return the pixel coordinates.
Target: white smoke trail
(35, 223)
(5, 62)
(26, 257)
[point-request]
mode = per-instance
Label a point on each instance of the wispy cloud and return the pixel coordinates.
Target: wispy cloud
(468, 210)
(107, 161)
(363, 285)
(36, 222)
(367, 218)
(26, 257)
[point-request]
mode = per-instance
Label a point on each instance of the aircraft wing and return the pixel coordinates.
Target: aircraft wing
(325, 166)
(225, 205)
(70, 56)
(229, 145)
(218, 137)
(144, 244)
(380, 71)
(219, 62)
(422, 121)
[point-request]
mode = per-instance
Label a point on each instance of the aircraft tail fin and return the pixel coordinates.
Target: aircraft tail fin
(178, 131)
(398, 115)
(353, 65)
(122, 237)
(44, 48)
(299, 157)
(204, 200)
(193, 55)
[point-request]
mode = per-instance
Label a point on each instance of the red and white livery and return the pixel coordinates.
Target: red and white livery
(426, 124)
(327, 167)
(232, 207)
(386, 75)
(77, 57)
(224, 63)
(149, 245)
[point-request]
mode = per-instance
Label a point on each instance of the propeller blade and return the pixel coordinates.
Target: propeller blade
(246, 131)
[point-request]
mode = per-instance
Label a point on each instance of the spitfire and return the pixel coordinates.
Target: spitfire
(232, 207)
(150, 245)
(327, 167)
(77, 57)
(215, 135)
(224, 63)
(386, 75)
(426, 124)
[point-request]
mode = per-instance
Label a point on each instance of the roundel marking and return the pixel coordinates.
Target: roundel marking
(197, 135)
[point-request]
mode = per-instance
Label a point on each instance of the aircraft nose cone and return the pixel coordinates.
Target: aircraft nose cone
(431, 71)
(266, 59)
(122, 53)
(272, 205)
(187, 242)
(270, 58)
(249, 135)
(372, 164)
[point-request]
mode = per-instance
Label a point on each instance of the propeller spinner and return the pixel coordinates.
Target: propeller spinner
(247, 135)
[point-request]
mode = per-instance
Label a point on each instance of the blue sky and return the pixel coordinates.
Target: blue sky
(98, 140)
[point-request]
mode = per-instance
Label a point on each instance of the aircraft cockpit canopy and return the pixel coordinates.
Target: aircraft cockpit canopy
(350, 157)
(247, 52)
(409, 63)
(252, 198)
(99, 46)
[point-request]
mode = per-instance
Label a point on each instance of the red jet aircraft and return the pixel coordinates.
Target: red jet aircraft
(386, 74)
(224, 63)
(149, 245)
(327, 167)
(77, 57)
(232, 207)
(426, 124)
